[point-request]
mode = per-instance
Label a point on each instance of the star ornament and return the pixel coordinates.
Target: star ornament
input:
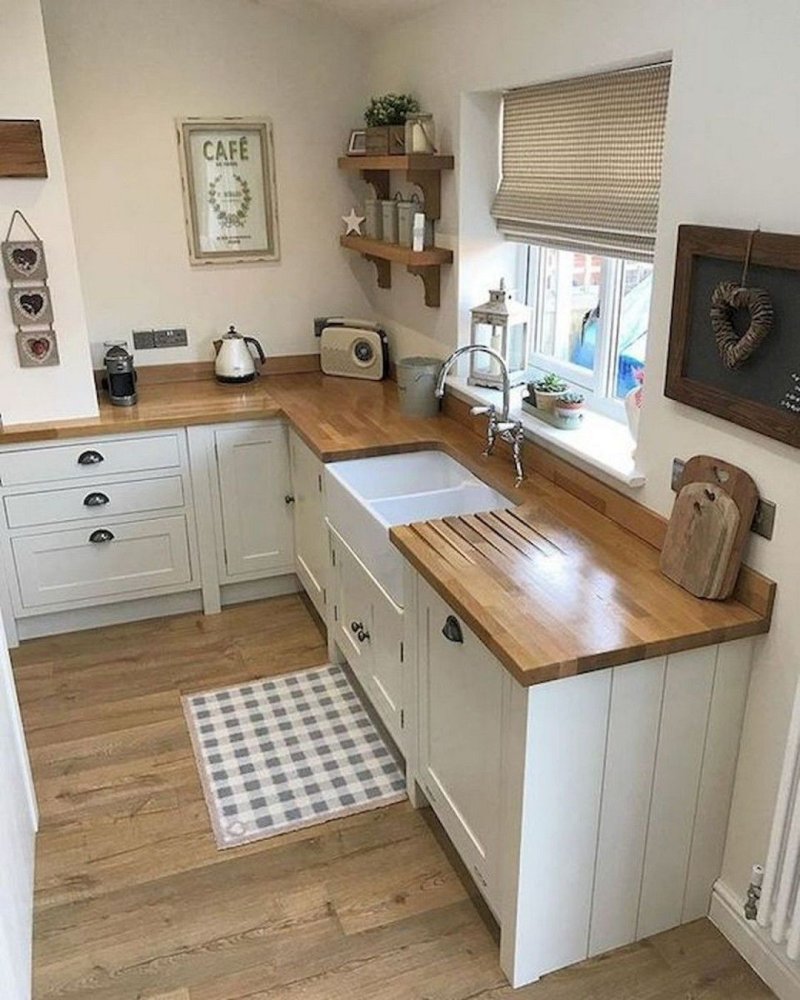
(353, 222)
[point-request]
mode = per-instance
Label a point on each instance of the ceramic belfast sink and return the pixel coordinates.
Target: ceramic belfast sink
(367, 496)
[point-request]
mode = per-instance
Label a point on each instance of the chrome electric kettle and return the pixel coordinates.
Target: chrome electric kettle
(235, 362)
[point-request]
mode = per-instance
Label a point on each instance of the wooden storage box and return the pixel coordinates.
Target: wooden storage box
(386, 140)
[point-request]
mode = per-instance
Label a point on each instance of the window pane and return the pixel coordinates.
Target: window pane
(570, 300)
(637, 282)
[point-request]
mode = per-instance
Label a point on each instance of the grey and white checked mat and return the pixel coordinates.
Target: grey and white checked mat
(284, 753)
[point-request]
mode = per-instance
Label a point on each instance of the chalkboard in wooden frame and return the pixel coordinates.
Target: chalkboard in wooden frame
(758, 395)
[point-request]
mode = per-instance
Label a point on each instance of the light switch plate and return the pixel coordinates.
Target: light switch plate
(764, 517)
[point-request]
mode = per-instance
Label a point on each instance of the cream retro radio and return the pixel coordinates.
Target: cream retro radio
(355, 348)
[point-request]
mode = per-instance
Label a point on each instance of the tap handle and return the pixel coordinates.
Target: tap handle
(506, 425)
(477, 411)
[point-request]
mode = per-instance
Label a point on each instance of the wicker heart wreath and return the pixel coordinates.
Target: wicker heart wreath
(726, 300)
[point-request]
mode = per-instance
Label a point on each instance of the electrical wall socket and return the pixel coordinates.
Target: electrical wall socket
(148, 340)
(764, 517)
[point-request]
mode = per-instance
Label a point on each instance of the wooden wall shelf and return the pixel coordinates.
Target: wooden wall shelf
(425, 171)
(21, 149)
(424, 264)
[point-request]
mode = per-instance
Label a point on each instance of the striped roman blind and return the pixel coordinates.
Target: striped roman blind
(582, 162)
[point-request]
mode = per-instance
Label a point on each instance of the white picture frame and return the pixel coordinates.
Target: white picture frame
(229, 190)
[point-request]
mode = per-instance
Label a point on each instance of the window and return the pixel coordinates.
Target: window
(590, 318)
(578, 192)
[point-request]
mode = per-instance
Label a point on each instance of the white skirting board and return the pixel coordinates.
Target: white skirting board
(152, 607)
(754, 943)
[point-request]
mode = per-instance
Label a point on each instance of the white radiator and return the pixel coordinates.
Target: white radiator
(779, 907)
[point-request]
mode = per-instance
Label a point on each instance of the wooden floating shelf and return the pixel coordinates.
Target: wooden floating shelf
(395, 252)
(424, 264)
(410, 161)
(21, 149)
(424, 170)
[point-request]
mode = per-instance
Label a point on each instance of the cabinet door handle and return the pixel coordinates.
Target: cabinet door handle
(356, 626)
(95, 500)
(90, 458)
(363, 636)
(101, 535)
(288, 498)
(452, 629)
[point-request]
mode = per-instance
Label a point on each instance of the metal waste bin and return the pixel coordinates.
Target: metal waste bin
(416, 383)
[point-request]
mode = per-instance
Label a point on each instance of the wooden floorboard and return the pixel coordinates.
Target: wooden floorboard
(134, 901)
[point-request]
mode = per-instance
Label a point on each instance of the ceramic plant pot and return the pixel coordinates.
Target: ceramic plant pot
(547, 400)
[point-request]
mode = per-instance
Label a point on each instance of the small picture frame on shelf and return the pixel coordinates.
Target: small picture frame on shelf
(357, 145)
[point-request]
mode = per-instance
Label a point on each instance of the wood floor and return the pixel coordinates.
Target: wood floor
(133, 900)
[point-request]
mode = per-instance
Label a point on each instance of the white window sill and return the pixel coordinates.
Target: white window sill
(602, 444)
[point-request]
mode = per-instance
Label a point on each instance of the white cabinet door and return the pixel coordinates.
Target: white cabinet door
(310, 530)
(369, 632)
(353, 623)
(460, 737)
(17, 827)
(255, 494)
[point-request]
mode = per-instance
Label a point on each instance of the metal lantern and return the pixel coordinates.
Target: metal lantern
(503, 324)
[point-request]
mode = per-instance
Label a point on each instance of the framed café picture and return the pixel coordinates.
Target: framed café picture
(230, 198)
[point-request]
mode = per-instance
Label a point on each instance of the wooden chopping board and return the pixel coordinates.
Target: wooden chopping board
(709, 527)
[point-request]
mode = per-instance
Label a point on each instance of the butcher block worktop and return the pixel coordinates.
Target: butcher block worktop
(564, 582)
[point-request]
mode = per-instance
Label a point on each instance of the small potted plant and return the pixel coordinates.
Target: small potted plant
(547, 390)
(569, 408)
(385, 118)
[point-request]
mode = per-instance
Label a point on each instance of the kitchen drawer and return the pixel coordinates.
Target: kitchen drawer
(62, 567)
(93, 502)
(83, 460)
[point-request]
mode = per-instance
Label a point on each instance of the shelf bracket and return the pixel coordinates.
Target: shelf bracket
(384, 269)
(430, 275)
(429, 182)
(380, 181)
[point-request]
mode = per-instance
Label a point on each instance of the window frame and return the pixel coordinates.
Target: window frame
(598, 384)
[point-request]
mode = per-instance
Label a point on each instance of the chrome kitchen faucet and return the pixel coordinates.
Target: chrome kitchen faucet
(497, 427)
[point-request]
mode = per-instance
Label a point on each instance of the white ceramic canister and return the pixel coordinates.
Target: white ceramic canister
(405, 219)
(389, 213)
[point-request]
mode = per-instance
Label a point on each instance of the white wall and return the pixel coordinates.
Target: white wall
(122, 72)
(732, 150)
(28, 394)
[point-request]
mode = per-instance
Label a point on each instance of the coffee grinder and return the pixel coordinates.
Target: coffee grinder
(120, 377)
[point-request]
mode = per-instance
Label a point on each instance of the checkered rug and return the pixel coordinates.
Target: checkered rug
(280, 754)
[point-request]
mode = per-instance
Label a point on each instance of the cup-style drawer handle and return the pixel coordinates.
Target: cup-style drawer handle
(95, 500)
(101, 535)
(452, 629)
(90, 458)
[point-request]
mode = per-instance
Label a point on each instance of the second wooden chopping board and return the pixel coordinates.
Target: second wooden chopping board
(709, 526)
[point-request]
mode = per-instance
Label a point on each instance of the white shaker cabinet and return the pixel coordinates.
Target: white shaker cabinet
(460, 737)
(310, 530)
(591, 810)
(255, 500)
(367, 628)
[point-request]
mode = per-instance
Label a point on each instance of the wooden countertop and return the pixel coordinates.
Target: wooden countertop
(564, 582)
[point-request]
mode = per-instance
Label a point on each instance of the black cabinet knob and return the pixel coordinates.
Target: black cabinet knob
(452, 629)
(95, 500)
(356, 626)
(90, 458)
(288, 498)
(363, 635)
(101, 535)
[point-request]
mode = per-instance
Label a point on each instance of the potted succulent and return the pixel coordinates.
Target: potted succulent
(569, 407)
(546, 390)
(385, 118)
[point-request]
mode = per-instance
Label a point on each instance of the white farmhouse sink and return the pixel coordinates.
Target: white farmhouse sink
(366, 496)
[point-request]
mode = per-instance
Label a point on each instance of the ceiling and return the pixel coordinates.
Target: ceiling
(371, 14)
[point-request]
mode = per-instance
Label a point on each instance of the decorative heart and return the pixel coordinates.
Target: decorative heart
(726, 300)
(25, 258)
(39, 347)
(32, 303)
